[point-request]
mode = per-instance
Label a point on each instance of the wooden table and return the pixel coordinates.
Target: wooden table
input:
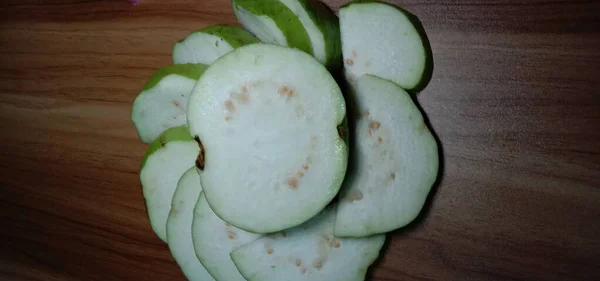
(514, 100)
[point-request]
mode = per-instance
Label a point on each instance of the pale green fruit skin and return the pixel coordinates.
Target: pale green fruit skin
(329, 26)
(233, 35)
(190, 70)
(180, 133)
(322, 27)
(296, 33)
(226, 38)
(284, 18)
(147, 128)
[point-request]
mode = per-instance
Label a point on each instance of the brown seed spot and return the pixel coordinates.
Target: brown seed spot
(286, 91)
(244, 90)
(229, 105)
(349, 62)
(298, 263)
(173, 212)
(244, 97)
(318, 264)
(365, 113)
(303, 271)
(176, 103)
(269, 251)
(331, 241)
(334, 243)
(422, 127)
(300, 174)
(231, 235)
(200, 158)
(375, 125)
(227, 118)
(354, 54)
(305, 167)
(393, 176)
(379, 139)
(293, 182)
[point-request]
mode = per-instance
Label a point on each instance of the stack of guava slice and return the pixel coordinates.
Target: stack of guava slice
(262, 166)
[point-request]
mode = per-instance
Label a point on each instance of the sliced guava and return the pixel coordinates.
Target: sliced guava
(395, 161)
(208, 44)
(214, 240)
(165, 161)
(386, 41)
(179, 227)
(269, 119)
(304, 24)
(309, 252)
(162, 103)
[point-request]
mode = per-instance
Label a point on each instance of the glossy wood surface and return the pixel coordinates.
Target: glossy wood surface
(514, 100)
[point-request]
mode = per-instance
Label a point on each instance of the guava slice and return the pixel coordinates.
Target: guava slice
(395, 161)
(214, 240)
(304, 24)
(162, 103)
(165, 161)
(179, 227)
(385, 41)
(309, 252)
(269, 119)
(208, 44)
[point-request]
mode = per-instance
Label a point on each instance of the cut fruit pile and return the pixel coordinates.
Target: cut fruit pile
(261, 168)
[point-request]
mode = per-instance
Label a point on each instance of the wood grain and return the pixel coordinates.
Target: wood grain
(514, 100)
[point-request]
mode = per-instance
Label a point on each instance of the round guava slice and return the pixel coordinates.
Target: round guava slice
(386, 41)
(394, 161)
(270, 120)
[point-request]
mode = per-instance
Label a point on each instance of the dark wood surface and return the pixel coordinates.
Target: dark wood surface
(514, 100)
